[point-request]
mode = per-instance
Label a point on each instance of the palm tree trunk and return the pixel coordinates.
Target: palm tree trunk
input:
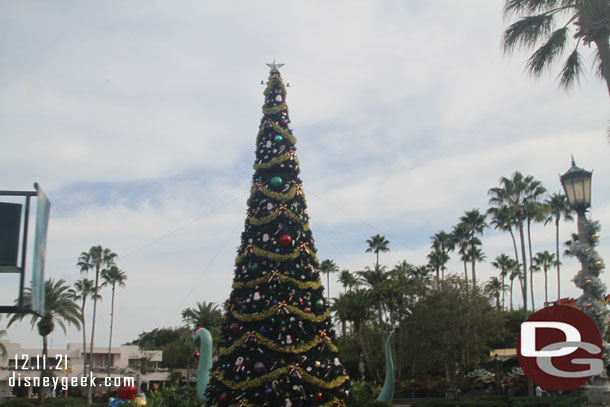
(95, 292)
(328, 285)
(82, 310)
(511, 293)
(111, 323)
(45, 350)
(603, 49)
(557, 254)
(465, 272)
(474, 276)
(529, 243)
(546, 297)
(524, 287)
(503, 291)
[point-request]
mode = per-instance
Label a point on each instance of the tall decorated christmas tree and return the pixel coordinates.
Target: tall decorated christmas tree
(277, 339)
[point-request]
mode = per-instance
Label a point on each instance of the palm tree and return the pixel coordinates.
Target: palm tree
(377, 243)
(375, 279)
(96, 259)
(514, 193)
(559, 208)
(586, 21)
(2, 347)
(112, 277)
(83, 289)
(204, 314)
(60, 309)
(544, 260)
(535, 211)
(328, 266)
(502, 263)
(437, 260)
(341, 308)
(474, 224)
(493, 288)
(442, 243)
(461, 241)
(347, 280)
(501, 219)
(515, 272)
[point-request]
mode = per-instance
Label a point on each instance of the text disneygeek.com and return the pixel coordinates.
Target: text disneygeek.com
(15, 380)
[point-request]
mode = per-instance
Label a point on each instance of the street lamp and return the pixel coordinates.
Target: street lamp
(577, 186)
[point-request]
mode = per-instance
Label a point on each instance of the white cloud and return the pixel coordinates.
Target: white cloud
(139, 118)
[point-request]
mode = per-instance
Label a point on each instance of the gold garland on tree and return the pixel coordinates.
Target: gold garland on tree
(274, 214)
(278, 129)
(274, 256)
(258, 338)
(313, 285)
(275, 109)
(338, 381)
(276, 309)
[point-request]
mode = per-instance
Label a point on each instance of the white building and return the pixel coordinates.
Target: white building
(21, 367)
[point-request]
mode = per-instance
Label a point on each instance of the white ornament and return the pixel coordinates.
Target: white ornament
(288, 339)
(266, 237)
(257, 296)
(278, 98)
(269, 206)
(268, 144)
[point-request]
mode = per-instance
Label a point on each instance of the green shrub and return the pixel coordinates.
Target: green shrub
(66, 402)
(507, 402)
(174, 396)
(19, 402)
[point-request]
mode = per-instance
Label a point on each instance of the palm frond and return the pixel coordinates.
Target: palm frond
(527, 32)
(513, 7)
(548, 52)
(571, 71)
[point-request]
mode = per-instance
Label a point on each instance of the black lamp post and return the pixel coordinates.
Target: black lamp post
(577, 185)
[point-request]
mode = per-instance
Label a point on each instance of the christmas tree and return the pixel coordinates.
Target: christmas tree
(277, 338)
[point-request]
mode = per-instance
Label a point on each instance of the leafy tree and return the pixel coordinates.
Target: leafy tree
(552, 23)
(84, 289)
(112, 277)
(158, 338)
(60, 309)
(377, 243)
(328, 267)
(95, 259)
(559, 208)
(451, 328)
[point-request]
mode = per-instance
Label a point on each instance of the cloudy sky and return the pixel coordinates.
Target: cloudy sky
(139, 120)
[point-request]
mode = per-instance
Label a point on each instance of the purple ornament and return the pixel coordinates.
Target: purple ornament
(259, 367)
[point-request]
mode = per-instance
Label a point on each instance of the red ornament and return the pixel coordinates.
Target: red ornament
(234, 327)
(196, 355)
(127, 391)
(285, 240)
(223, 397)
(308, 310)
(319, 396)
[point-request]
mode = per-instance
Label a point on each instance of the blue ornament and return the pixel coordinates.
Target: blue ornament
(268, 391)
(278, 138)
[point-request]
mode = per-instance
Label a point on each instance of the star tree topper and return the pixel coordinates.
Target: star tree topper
(275, 67)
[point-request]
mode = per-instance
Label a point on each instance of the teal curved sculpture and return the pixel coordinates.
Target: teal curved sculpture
(387, 391)
(205, 360)
(205, 365)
